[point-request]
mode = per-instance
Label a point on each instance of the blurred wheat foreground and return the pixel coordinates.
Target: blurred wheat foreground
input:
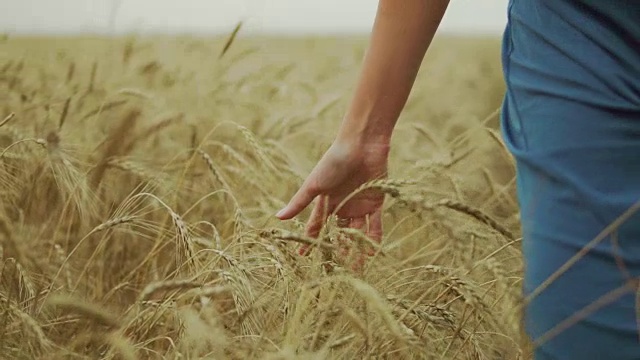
(139, 178)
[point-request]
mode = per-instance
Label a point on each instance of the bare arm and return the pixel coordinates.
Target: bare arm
(402, 32)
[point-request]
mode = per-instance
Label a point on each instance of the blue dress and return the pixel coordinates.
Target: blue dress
(571, 118)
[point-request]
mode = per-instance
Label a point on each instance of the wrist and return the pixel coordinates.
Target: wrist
(363, 146)
(365, 132)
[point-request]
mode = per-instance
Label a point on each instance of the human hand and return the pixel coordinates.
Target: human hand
(343, 169)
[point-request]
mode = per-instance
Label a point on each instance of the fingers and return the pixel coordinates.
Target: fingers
(298, 202)
(358, 223)
(316, 220)
(357, 255)
(374, 231)
(370, 225)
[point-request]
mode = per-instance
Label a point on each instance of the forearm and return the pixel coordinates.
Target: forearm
(402, 32)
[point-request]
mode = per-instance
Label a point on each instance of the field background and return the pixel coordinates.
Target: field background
(139, 178)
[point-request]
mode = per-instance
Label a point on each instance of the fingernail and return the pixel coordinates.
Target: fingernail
(280, 213)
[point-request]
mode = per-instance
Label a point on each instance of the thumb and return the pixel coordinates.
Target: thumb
(298, 202)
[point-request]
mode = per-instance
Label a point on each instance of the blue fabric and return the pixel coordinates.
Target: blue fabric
(571, 118)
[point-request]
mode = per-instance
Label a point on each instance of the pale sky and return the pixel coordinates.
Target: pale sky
(214, 16)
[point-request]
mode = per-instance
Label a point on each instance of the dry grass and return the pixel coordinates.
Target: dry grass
(139, 179)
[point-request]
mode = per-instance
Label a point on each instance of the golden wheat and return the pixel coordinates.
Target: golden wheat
(142, 225)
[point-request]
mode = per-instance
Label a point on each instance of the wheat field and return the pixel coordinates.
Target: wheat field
(140, 176)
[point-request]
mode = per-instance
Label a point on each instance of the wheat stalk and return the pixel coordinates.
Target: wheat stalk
(168, 285)
(7, 119)
(290, 236)
(89, 311)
